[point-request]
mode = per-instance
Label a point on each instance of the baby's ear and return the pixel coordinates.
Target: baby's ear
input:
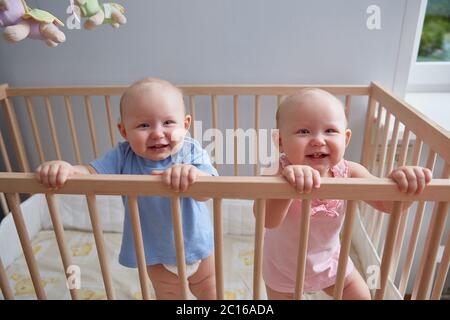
(276, 139)
(122, 130)
(187, 122)
(348, 135)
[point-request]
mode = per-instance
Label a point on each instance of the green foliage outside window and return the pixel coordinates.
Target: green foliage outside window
(435, 41)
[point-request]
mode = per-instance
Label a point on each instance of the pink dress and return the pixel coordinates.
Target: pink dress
(281, 243)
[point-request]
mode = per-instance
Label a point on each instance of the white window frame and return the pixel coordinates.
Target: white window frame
(427, 76)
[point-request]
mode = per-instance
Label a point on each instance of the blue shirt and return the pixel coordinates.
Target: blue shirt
(155, 212)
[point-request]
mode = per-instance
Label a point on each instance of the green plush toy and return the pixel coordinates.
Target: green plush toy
(98, 14)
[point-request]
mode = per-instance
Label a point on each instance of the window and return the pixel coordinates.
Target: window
(435, 39)
(431, 71)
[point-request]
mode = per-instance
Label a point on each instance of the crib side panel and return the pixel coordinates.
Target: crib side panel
(399, 135)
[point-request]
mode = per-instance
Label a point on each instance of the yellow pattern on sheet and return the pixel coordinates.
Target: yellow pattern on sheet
(238, 268)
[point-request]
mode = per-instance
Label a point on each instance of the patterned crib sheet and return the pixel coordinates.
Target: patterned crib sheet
(238, 269)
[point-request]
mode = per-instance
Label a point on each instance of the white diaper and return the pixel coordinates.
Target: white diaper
(190, 268)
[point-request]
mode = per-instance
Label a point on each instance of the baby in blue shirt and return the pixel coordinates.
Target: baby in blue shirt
(154, 123)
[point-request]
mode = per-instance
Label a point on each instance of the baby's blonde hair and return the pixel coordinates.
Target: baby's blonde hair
(147, 81)
(299, 97)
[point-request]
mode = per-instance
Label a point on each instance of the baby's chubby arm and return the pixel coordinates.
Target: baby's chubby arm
(180, 176)
(409, 179)
(54, 174)
(303, 179)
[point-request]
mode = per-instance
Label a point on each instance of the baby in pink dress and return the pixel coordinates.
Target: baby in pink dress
(313, 136)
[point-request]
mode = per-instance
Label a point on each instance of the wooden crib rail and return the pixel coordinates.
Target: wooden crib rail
(228, 187)
(259, 188)
(423, 127)
(188, 90)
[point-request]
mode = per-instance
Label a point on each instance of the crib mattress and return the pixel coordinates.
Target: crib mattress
(238, 268)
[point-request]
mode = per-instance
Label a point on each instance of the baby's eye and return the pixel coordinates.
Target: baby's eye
(168, 122)
(303, 131)
(330, 130)
(144, 125)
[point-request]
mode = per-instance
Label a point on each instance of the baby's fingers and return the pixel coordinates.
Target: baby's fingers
(307, 181)
(184, 178)
(400, 178)
(424, 177)
(288, 174)
(316, 179)
(42, 174)
(167, 177)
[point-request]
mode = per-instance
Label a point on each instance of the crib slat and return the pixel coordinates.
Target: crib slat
(259, 238)
(345, 248)
(378, 133)
(279, 99)
(100, 244)
(257, 107)
(4, 203)
(4, 283)
(381, 160)
(431, 159)
(442, 272)
(139, 246)
(52, 125)
(407, 264)
(348, 102)
(179, 245)
(431, 253)
(412, 243)
(76, 146)
(366, 151)
(392, 147)
(4, 152)
(236, 124)
(218, 248)
(16, 134)
(381, 168)
(437, 224)
(389, 248)
(414, 162)
(416, 152)
(193, 115)
(110, 120)
(215, 127)
(404, 147)
(60, 239)
(13, 201)
(302, 248)
(35, 129)
(432, 241)
(8, 169)
(90, 117)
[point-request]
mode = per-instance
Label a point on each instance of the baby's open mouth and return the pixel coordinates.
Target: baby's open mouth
(158, 146)
(317, 155)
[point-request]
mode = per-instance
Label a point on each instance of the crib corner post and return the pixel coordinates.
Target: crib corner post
(15, 129)
(3, 94)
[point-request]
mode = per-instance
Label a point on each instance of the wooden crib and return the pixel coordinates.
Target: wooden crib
(395, 134)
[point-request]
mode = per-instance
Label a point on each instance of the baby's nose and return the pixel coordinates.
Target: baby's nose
(318, 140)
(157, 133)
